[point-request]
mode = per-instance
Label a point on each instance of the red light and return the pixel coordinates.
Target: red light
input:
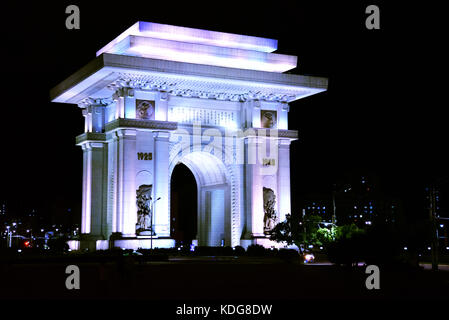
(27, 244)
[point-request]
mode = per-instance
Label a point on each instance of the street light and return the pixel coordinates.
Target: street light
(8, 237)
(151, 221)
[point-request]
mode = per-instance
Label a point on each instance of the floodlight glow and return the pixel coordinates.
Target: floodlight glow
(191, 35)
(203, 54)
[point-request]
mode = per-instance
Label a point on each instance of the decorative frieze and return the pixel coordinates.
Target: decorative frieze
(204, 88)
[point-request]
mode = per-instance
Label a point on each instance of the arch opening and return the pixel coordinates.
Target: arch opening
(212, 199)
(183, 205)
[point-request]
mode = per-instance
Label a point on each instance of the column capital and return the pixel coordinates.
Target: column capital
(161, 135)
(163, 95)
(126, 133)
(123, 92)
(285, 106)
(89, 102)
(88, 145)
(284, 142)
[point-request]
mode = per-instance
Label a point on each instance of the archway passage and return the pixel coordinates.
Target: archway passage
(183, 205)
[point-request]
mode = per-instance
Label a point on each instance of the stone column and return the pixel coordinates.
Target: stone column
(256, 114)
(94, 115)
(85, 206)
(87, 120)
(126, 187)
(283, 116)
(129, 103)
(284, 192)
(161, 112)
(161, 183)
(251, 114)
(98, 117)
(93, 189)
(254, 211)
(112, 183)
(125, 103)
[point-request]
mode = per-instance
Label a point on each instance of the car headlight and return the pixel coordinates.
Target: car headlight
(309, 257)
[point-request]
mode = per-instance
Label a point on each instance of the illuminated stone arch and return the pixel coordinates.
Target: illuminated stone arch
(225, 94)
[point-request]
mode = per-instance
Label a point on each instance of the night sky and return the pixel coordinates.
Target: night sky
(383, 112)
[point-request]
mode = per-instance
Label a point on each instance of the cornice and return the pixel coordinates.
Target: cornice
(140, 124)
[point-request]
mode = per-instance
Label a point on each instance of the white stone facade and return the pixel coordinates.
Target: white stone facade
(143, 116)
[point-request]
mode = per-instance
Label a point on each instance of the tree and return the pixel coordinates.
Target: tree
(327, 235)
(347, 246)
(286, 231)
(294, 231)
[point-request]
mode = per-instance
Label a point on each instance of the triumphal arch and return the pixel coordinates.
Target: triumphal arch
(158, 96)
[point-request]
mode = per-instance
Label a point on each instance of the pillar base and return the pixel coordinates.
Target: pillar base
(144, 242)
(262, 241)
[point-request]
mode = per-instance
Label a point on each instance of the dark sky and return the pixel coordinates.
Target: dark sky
(383, 112)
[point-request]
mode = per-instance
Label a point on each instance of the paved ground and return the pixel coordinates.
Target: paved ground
(216, 279)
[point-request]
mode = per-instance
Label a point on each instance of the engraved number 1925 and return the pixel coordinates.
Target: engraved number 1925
(144, 156)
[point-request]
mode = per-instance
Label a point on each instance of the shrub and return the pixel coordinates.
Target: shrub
(255, 250)
(239, 251)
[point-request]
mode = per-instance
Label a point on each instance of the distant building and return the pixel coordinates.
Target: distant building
(357, 200)
(317, 206)
(433, 203)
(3, 209)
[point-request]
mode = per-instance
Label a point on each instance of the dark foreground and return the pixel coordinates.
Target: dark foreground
(215, 279)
